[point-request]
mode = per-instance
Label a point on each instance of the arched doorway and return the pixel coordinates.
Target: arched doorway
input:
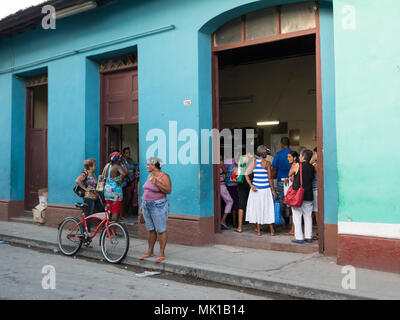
(270, 34)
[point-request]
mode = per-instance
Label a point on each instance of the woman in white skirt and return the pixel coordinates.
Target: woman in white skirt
(260, 205)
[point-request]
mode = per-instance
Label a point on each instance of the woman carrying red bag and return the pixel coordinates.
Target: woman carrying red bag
(304, 181)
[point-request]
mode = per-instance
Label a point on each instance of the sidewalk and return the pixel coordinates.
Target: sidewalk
(310, 276)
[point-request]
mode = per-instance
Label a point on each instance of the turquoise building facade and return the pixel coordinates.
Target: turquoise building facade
(172, 40)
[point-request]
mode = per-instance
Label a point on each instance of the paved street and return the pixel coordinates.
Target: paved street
(21, 278)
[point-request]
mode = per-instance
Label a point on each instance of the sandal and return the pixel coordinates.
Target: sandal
(160, 259)
(288, 234)
(257, 233)
(238, 231)
(144, 256)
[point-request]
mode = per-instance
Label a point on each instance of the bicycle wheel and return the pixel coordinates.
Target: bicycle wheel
(116, 248)
(69, 235)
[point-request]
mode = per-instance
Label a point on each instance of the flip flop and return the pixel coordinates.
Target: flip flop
(144, 256)
(236, 230)
(160, 259)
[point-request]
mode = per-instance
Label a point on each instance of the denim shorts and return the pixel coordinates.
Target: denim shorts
(155, 214)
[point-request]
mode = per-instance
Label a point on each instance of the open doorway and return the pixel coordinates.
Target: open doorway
(119, 125)
(36, 163)
(269, 87)
(125, 139)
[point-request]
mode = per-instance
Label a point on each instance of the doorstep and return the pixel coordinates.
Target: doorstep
(265, 241)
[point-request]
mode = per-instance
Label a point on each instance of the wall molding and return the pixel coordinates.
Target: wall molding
(380, 230)
(89, 48)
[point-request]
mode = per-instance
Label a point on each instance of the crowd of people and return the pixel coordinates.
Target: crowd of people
(251, 184)
(249, 187)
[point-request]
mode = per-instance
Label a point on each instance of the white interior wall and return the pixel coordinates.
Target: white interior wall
(282, 90)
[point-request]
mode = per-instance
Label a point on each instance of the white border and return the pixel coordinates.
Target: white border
(381, 230)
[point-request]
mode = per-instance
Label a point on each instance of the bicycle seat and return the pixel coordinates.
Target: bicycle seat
(81, 205)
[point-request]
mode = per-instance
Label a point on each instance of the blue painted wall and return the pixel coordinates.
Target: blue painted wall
(328, 113)
(174, 65)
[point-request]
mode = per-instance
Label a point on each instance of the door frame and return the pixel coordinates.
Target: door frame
(29, 105)
(319, 124)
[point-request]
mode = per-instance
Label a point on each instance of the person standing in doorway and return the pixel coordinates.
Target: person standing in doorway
(232, 187)
(292, 158)
(260, 205)
(155, 207)
(128, 186)
(113, 188)
(280, 171)
(224, 194)
(245, 165)
(314, 162)
(307, 172)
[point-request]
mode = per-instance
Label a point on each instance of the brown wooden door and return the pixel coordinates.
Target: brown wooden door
(36, 145)
(119, 105)
(120, 98)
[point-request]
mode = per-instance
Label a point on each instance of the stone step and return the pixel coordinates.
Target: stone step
(266, 242)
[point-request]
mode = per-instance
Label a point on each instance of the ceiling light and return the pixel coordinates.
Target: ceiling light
(75, 9)
(268, 123)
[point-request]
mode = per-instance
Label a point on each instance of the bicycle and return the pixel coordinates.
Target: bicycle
(72, 233)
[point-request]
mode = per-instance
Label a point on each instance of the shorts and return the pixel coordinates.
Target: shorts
(315, 201)
(113, 208)
(155, 214)
(243, 193)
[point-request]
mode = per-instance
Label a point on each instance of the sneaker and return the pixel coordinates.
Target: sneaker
(308, 240)
(298, 241)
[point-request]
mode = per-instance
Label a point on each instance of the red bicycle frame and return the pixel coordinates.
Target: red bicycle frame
(105, 220)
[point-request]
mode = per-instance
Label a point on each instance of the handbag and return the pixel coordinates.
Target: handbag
(101, 182)
(294, 198)
(78, 190)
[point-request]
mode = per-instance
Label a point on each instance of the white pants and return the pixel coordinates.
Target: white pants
(304, 211)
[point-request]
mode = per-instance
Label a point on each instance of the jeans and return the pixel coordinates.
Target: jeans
(304, 211)
(155, 214)
(92, 205)
(280, 195)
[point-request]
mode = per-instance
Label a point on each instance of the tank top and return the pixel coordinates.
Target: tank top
(260, 179)
(151, 192)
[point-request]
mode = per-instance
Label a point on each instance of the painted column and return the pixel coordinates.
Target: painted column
(367, 62)
(329, 129)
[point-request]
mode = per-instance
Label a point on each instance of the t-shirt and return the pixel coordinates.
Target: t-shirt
(230, 166)
(281, 162)
(308, 173)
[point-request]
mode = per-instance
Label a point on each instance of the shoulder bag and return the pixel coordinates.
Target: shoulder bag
(101, 181)
(294, 198)
(78, 190)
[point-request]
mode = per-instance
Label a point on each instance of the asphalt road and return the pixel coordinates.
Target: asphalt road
(21, 278)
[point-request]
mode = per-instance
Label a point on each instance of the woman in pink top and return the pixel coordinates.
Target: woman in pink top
(155, 207)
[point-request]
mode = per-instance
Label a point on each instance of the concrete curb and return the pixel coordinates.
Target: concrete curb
(267, 286)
